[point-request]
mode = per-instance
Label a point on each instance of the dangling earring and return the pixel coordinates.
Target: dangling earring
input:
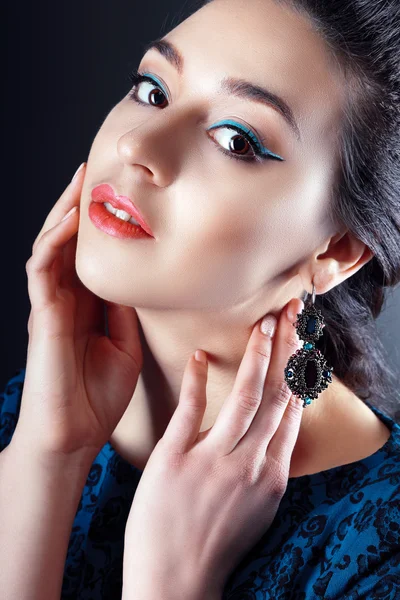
(307, 372)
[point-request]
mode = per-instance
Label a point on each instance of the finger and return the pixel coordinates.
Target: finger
(69, 198)
(67, 269)
(185, 423)
(240, 408)
(29, 326)
(276, 392)
(284, 440)
(42, 285)
(123, 330)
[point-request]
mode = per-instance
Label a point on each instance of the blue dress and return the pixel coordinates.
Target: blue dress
(336, 534)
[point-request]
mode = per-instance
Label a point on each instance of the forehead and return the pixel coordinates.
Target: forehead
(269, 45)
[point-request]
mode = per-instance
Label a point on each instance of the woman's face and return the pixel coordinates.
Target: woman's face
(227, 227)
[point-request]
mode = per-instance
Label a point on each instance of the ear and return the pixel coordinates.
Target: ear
(341, 257)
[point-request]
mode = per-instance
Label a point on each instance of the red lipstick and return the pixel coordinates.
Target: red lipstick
(110, 223)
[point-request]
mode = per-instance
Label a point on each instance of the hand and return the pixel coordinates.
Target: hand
(204, 499)
(78, 381)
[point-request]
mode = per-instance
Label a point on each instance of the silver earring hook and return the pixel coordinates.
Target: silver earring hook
(313, 294)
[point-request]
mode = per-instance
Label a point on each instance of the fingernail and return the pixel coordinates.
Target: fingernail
(69, 213)
(268, 325)
(77, 171)
(200, 356)
(291, 310)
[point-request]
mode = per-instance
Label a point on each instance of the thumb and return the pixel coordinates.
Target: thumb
(122, 327)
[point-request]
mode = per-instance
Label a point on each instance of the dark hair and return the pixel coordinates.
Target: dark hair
(363, 38)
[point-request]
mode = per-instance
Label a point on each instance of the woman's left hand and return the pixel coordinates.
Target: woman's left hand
(205, 499)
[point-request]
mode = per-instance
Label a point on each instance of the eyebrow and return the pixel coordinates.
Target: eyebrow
(231, 85)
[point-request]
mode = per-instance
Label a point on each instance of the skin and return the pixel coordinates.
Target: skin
(234, 240)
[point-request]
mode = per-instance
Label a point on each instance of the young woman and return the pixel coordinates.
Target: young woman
(260, 145)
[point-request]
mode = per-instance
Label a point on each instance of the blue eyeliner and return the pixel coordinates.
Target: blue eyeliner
(158, 82)
(260, 151)
(247, 133)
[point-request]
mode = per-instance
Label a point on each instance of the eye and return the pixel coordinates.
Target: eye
(137, 80)
(240, 142)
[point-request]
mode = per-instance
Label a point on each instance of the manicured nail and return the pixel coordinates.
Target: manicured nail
(291, 310)
(200, 356)
(77, 171)
(69, 213)
(268, 325)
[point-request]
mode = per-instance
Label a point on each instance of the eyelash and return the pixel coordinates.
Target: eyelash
(259, 156)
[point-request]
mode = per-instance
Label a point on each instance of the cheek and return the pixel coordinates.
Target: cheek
(243, 221)
(258, 232)
(217, 237)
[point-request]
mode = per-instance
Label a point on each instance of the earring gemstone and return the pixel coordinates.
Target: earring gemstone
(311, 325)
(307, 372)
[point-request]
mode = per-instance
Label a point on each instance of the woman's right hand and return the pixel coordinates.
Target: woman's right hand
(78, 381)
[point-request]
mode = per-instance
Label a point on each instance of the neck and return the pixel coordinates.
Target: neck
(167, 342)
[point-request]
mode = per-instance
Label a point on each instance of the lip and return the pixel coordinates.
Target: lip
(105, 193)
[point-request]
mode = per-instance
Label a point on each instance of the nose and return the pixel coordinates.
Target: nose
(152, 147)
